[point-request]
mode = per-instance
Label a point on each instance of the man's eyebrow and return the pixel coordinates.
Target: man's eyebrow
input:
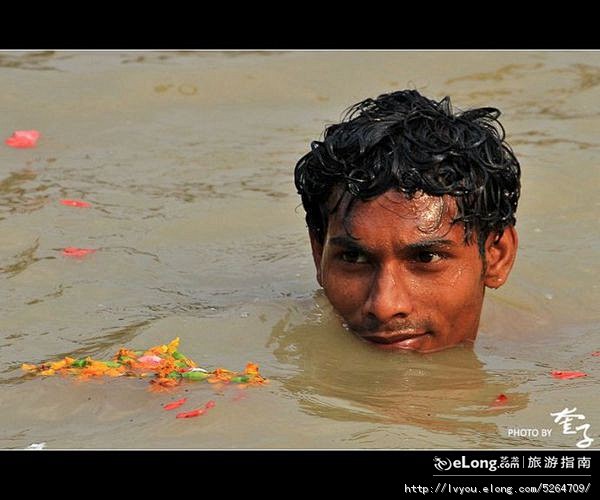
(427, 244)
(345, 241)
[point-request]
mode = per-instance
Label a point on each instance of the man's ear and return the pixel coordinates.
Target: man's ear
(317, 252)
(500, 256)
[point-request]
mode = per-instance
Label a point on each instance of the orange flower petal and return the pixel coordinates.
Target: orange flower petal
(63, 363)
(114, 372)
(173, 345)
(165, 382)
(251, 369)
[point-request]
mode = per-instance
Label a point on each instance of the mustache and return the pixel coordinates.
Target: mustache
(373, 325)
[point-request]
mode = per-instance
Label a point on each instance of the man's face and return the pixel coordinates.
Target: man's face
(407, 281)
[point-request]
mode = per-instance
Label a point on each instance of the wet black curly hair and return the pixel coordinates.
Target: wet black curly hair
(405, 141)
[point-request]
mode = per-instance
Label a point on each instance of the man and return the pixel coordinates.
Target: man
(411, 209)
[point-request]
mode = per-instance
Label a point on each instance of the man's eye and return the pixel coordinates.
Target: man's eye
(428, 257)
(353, 257)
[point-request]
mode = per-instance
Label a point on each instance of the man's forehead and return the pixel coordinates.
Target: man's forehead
(427, 213)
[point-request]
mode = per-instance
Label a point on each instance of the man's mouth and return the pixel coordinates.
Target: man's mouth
(397, 340)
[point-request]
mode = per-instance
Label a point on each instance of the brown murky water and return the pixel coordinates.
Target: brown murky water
(187, 159)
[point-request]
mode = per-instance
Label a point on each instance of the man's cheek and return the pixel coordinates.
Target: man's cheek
(346, 293)
(464, 311)
(450, 302)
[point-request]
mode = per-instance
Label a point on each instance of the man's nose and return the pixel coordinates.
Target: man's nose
(390, 295)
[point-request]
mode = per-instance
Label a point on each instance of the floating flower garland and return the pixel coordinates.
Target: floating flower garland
(164, 363)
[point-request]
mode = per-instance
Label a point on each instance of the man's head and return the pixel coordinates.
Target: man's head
(411, 211)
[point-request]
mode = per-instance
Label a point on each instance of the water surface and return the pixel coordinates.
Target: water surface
(187, 159)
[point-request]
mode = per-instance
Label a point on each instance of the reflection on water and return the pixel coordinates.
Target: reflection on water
(503, 73)
(28, 60)
(22, 260)
(340, 377)
(17, 196)
(538, 138)
(187, 158)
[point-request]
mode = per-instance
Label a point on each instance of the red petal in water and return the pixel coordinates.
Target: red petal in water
(209, 405)
(23, 139)
(77, 252)
(190, 414)
(76, 203)
(596, 353)
(501, 399)
(175, 404)
(567, 375)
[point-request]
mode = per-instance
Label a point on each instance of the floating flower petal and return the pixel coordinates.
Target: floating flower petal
(500, 400)
(76, 203)
(175, 404)
(190, 414)
(23, 139)
(150, 360)
(77, 252)
(567, 375)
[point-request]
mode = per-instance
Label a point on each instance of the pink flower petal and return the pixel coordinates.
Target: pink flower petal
(209, 405)
(23, 139)
(77, 252)
(567, 375)
(150, 359)
(596, 353)
(76, 203)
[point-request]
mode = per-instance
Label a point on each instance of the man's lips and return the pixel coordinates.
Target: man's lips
(392, 337)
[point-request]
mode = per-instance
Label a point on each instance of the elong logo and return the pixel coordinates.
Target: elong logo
(441, 463)
(444, 464)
